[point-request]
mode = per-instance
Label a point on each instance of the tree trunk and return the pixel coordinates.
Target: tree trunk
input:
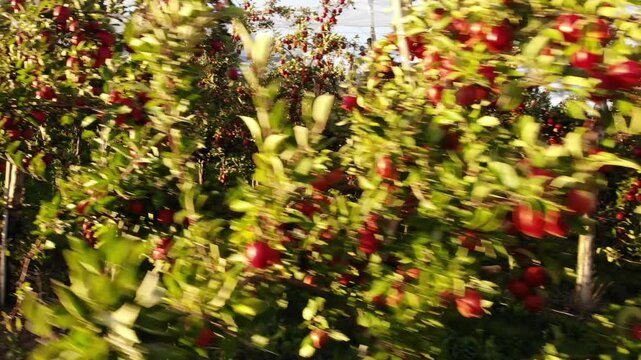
(13, 188)
(400, 35)
(584, 291)
(372, 28)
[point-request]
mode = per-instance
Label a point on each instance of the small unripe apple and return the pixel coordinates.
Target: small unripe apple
(533, 303)
(319, 338)
(535, 276)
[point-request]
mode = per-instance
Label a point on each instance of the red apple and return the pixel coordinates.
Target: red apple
(488, 72)
(554, 225)
(471, 94)
(46, 92)
(385, 167)
(105, 37)
(519, 289)
(368, 242)
(165, 216)
(499, 38)
(529, 221)
(205, 338)
(435, 94)
(600, 30)
(136, 207)
(636, 332)
(431, 60)
(584, 59)
(74, 26)
(533, 303)
(319, 338)
(39, 116)
(261, 255)
(535, 276)
(233, 74)
(77, 39)
(349, 103)
(81, 207)
(61, 13)
(582, 202)
(469, 305)
(627, 73)
(570, 26)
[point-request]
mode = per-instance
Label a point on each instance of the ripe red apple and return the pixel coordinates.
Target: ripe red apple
(529, 221)
(582, 202)
(319, 338)
(385, 167)
(17, 5)
(636, 332)
(488, 72)
(233, 74)
(499, 38)
(46, 92)
(261, 255)
(533, 303)
(368, 242)
(165, 216)
(81, 207)
(626, 73)
(570, 26)
(349, 103)
(74, 26)
(535, 276)
(432, 60)
(471, 94)
(584, 59)
(519, 289)
(554, 225)
(469, 305)
(61, 13)
(205, 338)
(105, 37)
(77, 39)
(435, 94)
(600, 30)
(39, 116)
(72, 62)
(136, 207)
(469, 240)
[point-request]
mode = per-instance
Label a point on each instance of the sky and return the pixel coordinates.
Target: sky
(354, 21)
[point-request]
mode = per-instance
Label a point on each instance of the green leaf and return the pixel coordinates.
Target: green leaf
(511, 96)
(254, 129)
(488, 121)
(241, 206)
(306, 351)
(69, 300)
(507, 174)
(320, 112)
(273, 141)
(301, 134)
(534, 47)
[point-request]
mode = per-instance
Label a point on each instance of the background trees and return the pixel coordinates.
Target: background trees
(480, 205)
